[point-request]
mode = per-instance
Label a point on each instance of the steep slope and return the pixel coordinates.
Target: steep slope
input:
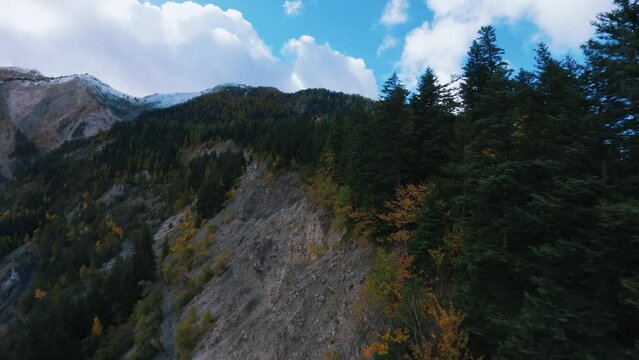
(50, 112)
(290, 282)
(256, 251)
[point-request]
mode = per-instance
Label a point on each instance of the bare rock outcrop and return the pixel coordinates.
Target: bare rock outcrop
(291, 281)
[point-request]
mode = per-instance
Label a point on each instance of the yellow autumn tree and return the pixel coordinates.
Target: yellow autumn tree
(184, 248)
(445, 340)
(422, 329)
(115, 229)
(401, 211)
(386, 280)
(40, 294)
(97, 328)
(444, 256)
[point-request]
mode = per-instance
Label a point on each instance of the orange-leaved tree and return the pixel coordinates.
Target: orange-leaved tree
(401, 212)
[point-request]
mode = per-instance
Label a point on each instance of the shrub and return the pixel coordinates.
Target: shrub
(189, 331)
(193, 287)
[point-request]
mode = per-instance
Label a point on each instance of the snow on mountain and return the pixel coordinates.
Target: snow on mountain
(161, 101)
(154, 101)
(106, 89)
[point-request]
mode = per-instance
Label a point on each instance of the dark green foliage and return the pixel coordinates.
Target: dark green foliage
(613, 71)
(219, 177)
(388, 146)
(433, 221)
(430, 128)
(146, 319)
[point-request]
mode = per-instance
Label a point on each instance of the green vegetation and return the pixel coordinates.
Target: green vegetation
(189, 330)
(146, 319)
(193, 286)
(82, 269)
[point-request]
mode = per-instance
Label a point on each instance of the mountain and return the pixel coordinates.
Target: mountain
(177, 235)
(46, 112)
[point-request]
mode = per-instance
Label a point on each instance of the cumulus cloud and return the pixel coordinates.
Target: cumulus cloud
(388, 42)
(318, 65)
(442, 43)
(395, 13)
(292, 7)
(142, 48)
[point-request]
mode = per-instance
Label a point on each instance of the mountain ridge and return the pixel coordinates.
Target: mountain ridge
(49, 111)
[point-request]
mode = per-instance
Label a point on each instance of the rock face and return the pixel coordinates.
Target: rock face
(49, 112)
(290, 283)
(15, 277)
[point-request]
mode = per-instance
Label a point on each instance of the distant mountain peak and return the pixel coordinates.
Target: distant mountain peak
(15, 72)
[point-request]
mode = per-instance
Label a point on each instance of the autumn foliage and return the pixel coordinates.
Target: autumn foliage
(417, 324)
(401, 212)
(97, 328)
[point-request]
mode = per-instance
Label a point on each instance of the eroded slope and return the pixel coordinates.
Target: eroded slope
(290, 282)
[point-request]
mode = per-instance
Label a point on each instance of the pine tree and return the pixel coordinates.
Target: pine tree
(490, 190)
(430, 127)
(388, 145)
(613, 59)
(143, 256)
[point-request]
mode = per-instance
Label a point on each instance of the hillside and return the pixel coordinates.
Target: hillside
(271, 236)
(289, 282)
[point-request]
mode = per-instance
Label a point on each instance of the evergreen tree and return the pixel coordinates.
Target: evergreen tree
(613, 59)
(388, 145)
(143, 256)
(553, 224)
(431, 127)
(488, 197)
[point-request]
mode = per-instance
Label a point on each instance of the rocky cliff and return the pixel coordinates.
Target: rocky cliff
(290, 282)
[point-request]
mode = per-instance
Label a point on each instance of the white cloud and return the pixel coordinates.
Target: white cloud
(395, 13)
(388, 42)
(320, 66)
(442, 44)
(142, 48)
(292, 7)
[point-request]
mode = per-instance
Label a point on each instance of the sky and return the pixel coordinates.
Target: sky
(156, 46)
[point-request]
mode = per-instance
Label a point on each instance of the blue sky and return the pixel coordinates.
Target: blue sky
(348, 26)
(141, 47)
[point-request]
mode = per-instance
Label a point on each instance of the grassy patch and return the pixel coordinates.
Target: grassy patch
(190, 330)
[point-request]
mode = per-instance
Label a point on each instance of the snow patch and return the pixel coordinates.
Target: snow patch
(162, 101)
(105, 89)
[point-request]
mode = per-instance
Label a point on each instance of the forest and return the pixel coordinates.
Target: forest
(503, 206)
